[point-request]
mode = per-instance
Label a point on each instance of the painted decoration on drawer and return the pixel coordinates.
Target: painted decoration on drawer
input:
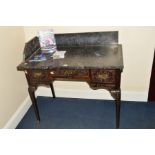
(100, 75)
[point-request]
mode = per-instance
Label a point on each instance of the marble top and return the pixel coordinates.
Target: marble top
(107, 56)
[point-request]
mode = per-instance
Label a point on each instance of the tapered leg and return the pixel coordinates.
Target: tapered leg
(117, 113)
(31, 91)
(52, 89)
(116, 94)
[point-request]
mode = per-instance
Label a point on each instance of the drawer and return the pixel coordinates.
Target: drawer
(103, 76)
(37, 76)
(69, 73)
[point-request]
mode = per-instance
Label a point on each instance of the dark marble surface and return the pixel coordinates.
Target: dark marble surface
(74, 39)
(83, 51)
(87, 38)
(31, 47)
(82, 57)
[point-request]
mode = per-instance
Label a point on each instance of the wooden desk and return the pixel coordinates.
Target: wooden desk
(98, 62)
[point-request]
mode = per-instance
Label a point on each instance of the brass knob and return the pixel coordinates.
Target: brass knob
(37, 75)
(52, 72)
(103, 76)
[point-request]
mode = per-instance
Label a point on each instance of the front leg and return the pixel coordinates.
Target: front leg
(31, 91)
(116, 94)
(52, 89)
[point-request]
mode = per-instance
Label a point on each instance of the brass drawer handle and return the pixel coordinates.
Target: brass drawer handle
(102, 76)
(37, 75)
(52, 73)
(69, 72)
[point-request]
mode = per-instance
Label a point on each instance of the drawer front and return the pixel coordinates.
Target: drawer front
(103, 76)
(69, 73)
(37, 76)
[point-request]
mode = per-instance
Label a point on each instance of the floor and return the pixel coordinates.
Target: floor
(73, 113)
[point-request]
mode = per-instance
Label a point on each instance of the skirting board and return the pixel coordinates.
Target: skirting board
(86, 94)
(18, 115)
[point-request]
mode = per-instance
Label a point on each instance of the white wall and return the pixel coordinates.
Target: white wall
(13, 87)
